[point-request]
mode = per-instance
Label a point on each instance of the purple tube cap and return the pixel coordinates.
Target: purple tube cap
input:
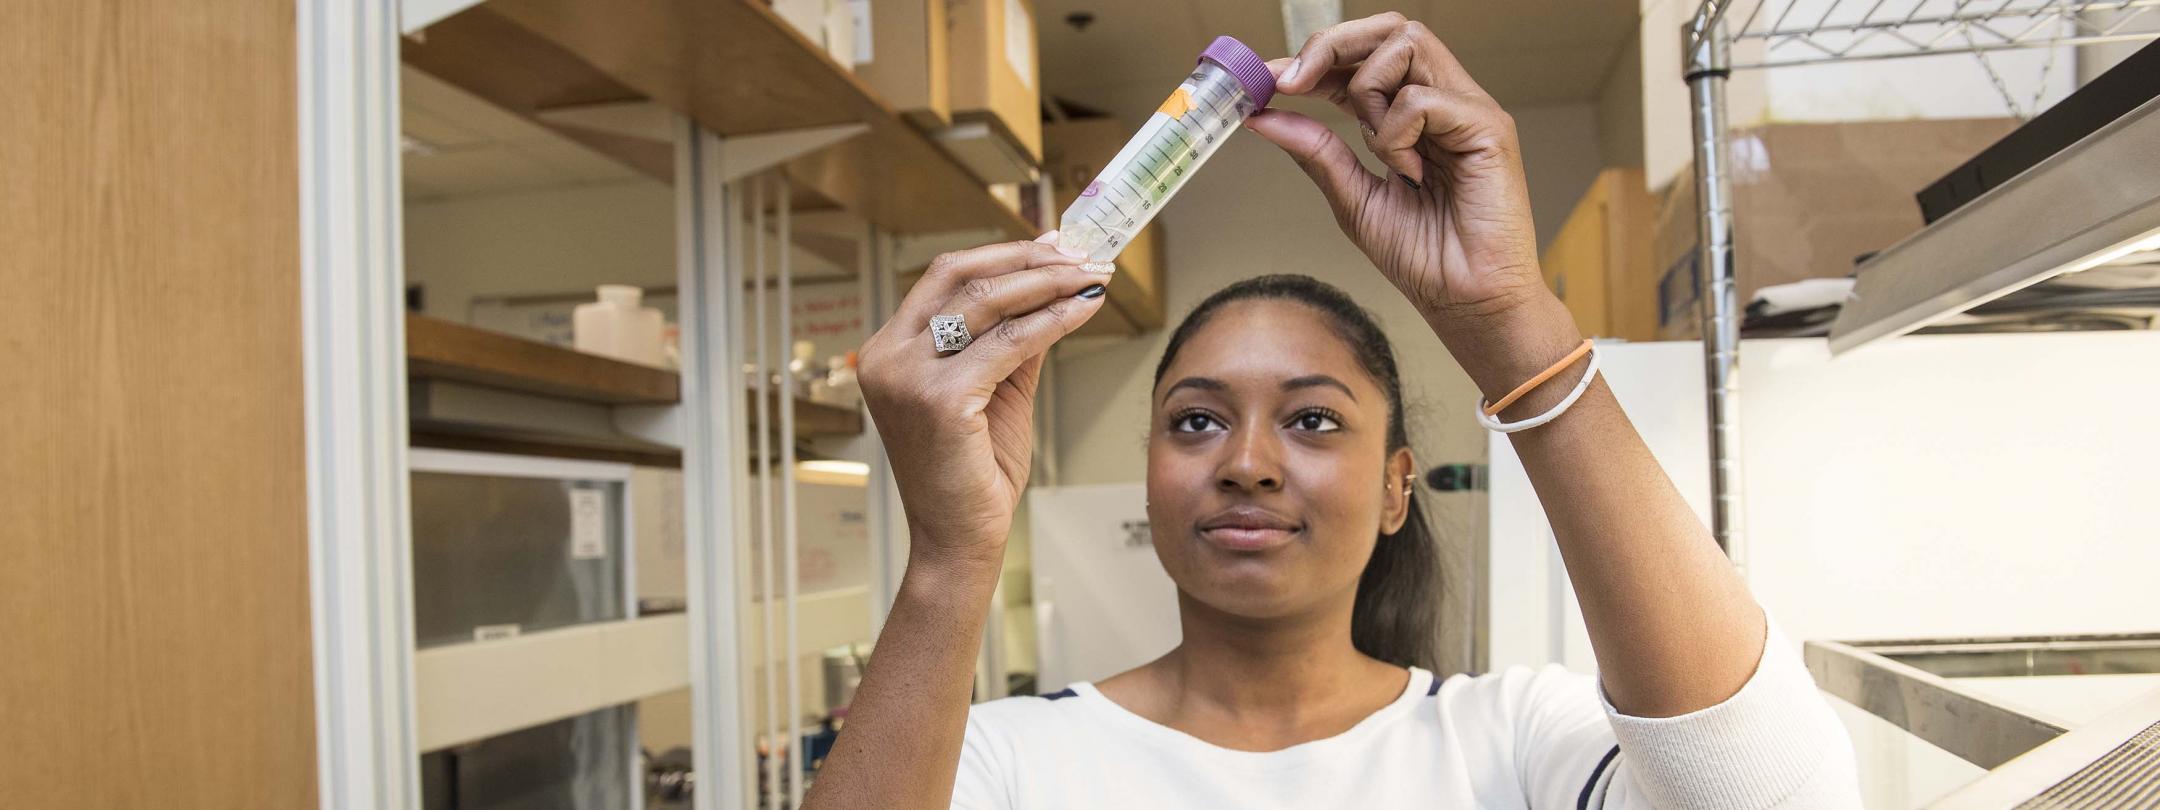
(1251, 71)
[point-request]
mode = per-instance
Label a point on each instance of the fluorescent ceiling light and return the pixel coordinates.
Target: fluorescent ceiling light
(833, 471)
(2148, 242)
(836, 466)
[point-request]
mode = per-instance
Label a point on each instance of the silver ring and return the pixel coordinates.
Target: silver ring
(950, 333)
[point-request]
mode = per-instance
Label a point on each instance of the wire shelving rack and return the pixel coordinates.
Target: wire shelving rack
(1770, 34)
(1801, 32)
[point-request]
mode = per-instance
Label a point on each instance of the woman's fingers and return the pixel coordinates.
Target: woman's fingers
(1412, 54)
(1469, 124)
(1362, 66)
(1340, 45)
(1475, 141)
(996, 354)
(1333, 86)
(985, 302)
(1324, 157)
(948, 272)
(1412, 57)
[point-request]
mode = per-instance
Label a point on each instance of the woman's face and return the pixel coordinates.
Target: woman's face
(1268, 468)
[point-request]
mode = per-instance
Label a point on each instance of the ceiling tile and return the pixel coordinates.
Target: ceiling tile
(1129, 41)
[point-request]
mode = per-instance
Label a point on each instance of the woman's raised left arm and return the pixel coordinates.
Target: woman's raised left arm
(1672, 624)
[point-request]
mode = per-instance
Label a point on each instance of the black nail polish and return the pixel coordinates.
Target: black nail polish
(1093, 292)
(1413, 184)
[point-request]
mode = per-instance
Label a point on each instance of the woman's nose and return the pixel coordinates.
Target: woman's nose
(1253, 463)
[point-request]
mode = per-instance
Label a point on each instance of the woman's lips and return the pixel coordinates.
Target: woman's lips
(1234, 539)
(1248, 528)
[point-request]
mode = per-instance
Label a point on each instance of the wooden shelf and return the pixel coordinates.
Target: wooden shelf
(813, 419)
(446, 435)
(735, 67)
(436, 349)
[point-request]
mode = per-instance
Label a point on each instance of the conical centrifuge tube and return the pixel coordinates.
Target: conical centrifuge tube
(1229, 84)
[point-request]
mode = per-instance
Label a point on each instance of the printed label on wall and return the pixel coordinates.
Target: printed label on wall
(861, 10)
(588, 524)
(495, 632)
(1020, 42)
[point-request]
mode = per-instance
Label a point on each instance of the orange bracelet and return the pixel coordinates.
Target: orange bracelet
(1542, 377)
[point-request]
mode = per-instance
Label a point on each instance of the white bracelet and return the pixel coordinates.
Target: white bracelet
(1494, 424)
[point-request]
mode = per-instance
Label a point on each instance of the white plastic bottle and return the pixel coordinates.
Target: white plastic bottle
(840, 386)
(801, 368)
(616, 326)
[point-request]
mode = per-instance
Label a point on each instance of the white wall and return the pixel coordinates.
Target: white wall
(556, 240)
(1620, 107)
(1923, 487)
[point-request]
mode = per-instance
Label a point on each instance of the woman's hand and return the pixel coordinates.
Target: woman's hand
(1452, 230)
(959, 428)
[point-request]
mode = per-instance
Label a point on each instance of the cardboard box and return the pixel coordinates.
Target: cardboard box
(1808, 200)
(907, 59)
(1076, 149)
(1599, 263)
(995, 79)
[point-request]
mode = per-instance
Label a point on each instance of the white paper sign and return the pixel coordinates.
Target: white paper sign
(495, 632)
(588, 524)
(1020, 42)
(863, 50)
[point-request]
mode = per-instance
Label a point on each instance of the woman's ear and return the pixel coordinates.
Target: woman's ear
(1400, 476)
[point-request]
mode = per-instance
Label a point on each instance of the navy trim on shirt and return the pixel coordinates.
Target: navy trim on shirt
(1582, 802)
(1060, 694)
(1435, 687)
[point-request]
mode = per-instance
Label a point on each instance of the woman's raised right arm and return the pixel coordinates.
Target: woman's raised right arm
(958, 429)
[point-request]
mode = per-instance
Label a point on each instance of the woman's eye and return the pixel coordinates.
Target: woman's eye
(1192, 423)
(1316, 422)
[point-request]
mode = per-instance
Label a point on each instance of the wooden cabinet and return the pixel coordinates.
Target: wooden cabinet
(154, 483)
(1600, 261)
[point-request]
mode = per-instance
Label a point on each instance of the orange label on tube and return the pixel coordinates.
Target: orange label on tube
(1177, 105)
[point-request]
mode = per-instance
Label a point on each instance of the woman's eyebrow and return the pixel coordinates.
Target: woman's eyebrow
(1202, 383)
(1311, 380)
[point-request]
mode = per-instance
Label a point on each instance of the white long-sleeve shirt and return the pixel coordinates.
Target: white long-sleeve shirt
(1544, 739)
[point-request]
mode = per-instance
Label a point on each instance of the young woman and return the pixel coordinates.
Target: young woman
(1278, 487)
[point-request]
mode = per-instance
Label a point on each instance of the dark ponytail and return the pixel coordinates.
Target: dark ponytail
(1396, 616)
